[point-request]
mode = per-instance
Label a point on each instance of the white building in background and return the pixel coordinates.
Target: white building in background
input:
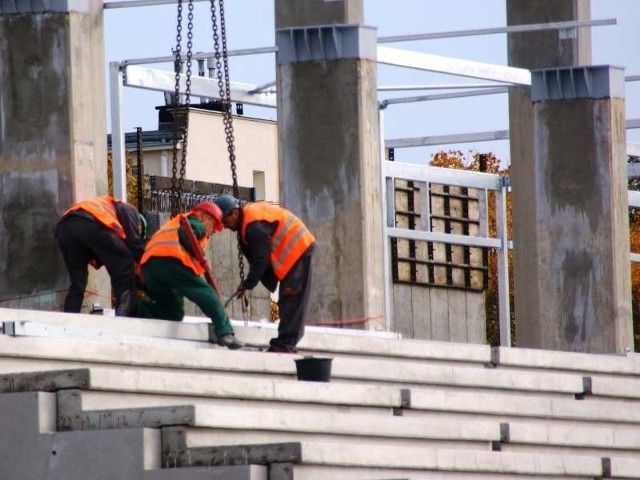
(256, 150)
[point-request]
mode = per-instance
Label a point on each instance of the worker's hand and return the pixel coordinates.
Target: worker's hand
(241, 293)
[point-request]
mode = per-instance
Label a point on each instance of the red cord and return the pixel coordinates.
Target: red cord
(349, 321)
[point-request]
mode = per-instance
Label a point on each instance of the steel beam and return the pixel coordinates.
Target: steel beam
(447, 139)
(118, 157)
(633, 149)
(140, 3)
(443, 96)
(200, 56)
(492, 31)
(164, 81)
(453, 66)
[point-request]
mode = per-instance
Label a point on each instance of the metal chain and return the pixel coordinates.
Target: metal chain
(187, 96)
(226, 114)
(225, 99)
(177, 183)
(175, 194)
(224, 88)
(140, 169)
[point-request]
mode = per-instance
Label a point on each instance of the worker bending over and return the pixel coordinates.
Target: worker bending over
(278, 247)
(102, 231)
(171, 272)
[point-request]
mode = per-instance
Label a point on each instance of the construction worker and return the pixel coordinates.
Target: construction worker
(171, 273)
(96, 232)
(278, 247)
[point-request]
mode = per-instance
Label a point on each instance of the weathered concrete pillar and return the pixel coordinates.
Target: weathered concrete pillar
(579, 193)
(52, 138)
(535, 50)
(329, 151)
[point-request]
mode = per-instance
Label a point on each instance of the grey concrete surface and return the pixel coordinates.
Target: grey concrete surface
(584, 279)
(534, 50)
(330, 164)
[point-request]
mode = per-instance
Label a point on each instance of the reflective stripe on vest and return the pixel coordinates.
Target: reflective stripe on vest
(166, 243)
(290, 239)
(103, 211)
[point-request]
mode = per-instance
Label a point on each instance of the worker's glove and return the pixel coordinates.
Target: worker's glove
(241, 293)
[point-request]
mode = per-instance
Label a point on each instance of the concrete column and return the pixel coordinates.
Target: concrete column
(535, 50)
(329, 151)
(579, 194)
(52, 137)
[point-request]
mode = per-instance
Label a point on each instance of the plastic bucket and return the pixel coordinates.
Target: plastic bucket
(314, 369)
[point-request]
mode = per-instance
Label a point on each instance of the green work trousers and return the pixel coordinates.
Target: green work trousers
(167, 282)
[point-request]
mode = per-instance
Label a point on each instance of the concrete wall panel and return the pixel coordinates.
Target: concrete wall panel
(52, 144)
(330, 177)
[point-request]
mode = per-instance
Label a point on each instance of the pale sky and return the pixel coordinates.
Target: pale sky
(143, 32)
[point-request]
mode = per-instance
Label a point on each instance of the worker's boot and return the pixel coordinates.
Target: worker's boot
(125, 304)
(230, 341)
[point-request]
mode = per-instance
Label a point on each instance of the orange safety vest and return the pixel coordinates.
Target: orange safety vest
(290, 239)
(104, 212)
(166, 243)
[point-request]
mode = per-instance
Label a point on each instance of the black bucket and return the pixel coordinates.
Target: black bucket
(314, 369)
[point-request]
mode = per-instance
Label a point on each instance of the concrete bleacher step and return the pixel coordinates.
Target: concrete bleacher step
(363, 459)
(341, 342)
(335, 342)
(524, 359)
(230, 425)
(340, 461)
(572, 439)
(32, 351)
(257, 334)
(415, 401)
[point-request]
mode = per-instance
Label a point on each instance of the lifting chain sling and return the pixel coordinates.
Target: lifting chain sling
(177, 184)
(222, 66)
(225, 99)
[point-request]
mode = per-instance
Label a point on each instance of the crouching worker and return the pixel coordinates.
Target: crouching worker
(171, 272)
(102, 231)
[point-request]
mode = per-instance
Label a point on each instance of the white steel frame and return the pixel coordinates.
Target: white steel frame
(462, 178)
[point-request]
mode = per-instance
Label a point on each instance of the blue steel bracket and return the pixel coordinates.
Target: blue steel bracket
(326, 42)
(568, 83)
(12, 7)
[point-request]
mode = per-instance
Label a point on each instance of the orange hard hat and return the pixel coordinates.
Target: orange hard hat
(213, 211)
